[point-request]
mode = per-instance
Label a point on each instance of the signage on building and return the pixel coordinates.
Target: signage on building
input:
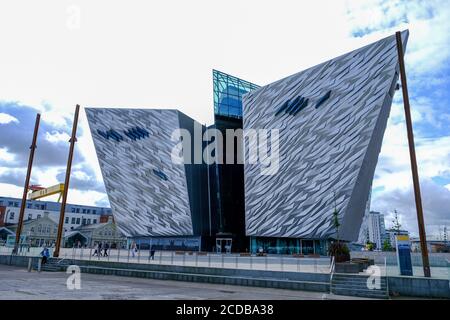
(404, 255)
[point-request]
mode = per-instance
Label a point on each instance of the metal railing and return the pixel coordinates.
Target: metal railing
(386, 275)
(332, 266)
(448, 272)
(244, 261)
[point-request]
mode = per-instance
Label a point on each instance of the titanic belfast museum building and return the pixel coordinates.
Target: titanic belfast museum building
(329, 121)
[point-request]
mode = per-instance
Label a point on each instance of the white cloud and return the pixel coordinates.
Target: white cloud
(56, 137)
(86, 197)
(7, 118)
(5, 155)
(10, 190)
(428, 23)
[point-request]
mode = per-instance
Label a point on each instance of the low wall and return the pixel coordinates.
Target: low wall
(436, 259)
(208, 278)
(297, 276)
(18, 261)
(419, 287)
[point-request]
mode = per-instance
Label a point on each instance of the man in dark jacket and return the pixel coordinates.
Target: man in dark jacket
(105, 251)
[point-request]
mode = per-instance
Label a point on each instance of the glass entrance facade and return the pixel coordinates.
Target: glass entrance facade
(289, 246)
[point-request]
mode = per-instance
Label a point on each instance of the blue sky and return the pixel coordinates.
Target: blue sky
(161, 55)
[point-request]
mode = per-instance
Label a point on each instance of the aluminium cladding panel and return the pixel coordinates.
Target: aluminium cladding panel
(331, 149)
(147, 191)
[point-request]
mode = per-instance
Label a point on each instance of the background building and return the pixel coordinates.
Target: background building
(376, 229)
(75, 215)
(37, 232)
(90, 235)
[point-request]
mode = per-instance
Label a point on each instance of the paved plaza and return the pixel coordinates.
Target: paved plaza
(18, 284)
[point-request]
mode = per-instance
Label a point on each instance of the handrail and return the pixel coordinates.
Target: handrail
(332, 266)
(448, 271)
(386, 275)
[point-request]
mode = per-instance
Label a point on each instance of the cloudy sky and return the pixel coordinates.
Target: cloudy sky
(56, 54)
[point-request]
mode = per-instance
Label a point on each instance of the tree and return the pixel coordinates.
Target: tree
(396, 223)
(387, 245)
(336, 223)
(370, 246)
(338, 250)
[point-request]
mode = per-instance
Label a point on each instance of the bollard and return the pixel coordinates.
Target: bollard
(39, 264)
(118, 254)
(29, 264)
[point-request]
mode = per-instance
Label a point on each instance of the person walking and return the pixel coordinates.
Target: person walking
(95, 250)
(133, 249)
(152, 253)
(105, 250)
(100, 249)
(45, 255)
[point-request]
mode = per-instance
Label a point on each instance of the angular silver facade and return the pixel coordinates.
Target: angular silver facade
(148, 193)
(324, 150)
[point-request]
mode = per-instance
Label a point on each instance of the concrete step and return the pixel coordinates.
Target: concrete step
(356, 279)
(375, 294)
(351, 287)
(353, 276)
(356, 285)
(357, 282)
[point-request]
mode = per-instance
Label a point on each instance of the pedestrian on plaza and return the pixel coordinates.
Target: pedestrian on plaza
(105, 251)
(152, 253)
(133, 248)
(45, 255)
(100, 249)
(95, 250)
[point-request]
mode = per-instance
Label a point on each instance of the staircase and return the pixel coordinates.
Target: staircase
(54, 265)
(356, 285)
